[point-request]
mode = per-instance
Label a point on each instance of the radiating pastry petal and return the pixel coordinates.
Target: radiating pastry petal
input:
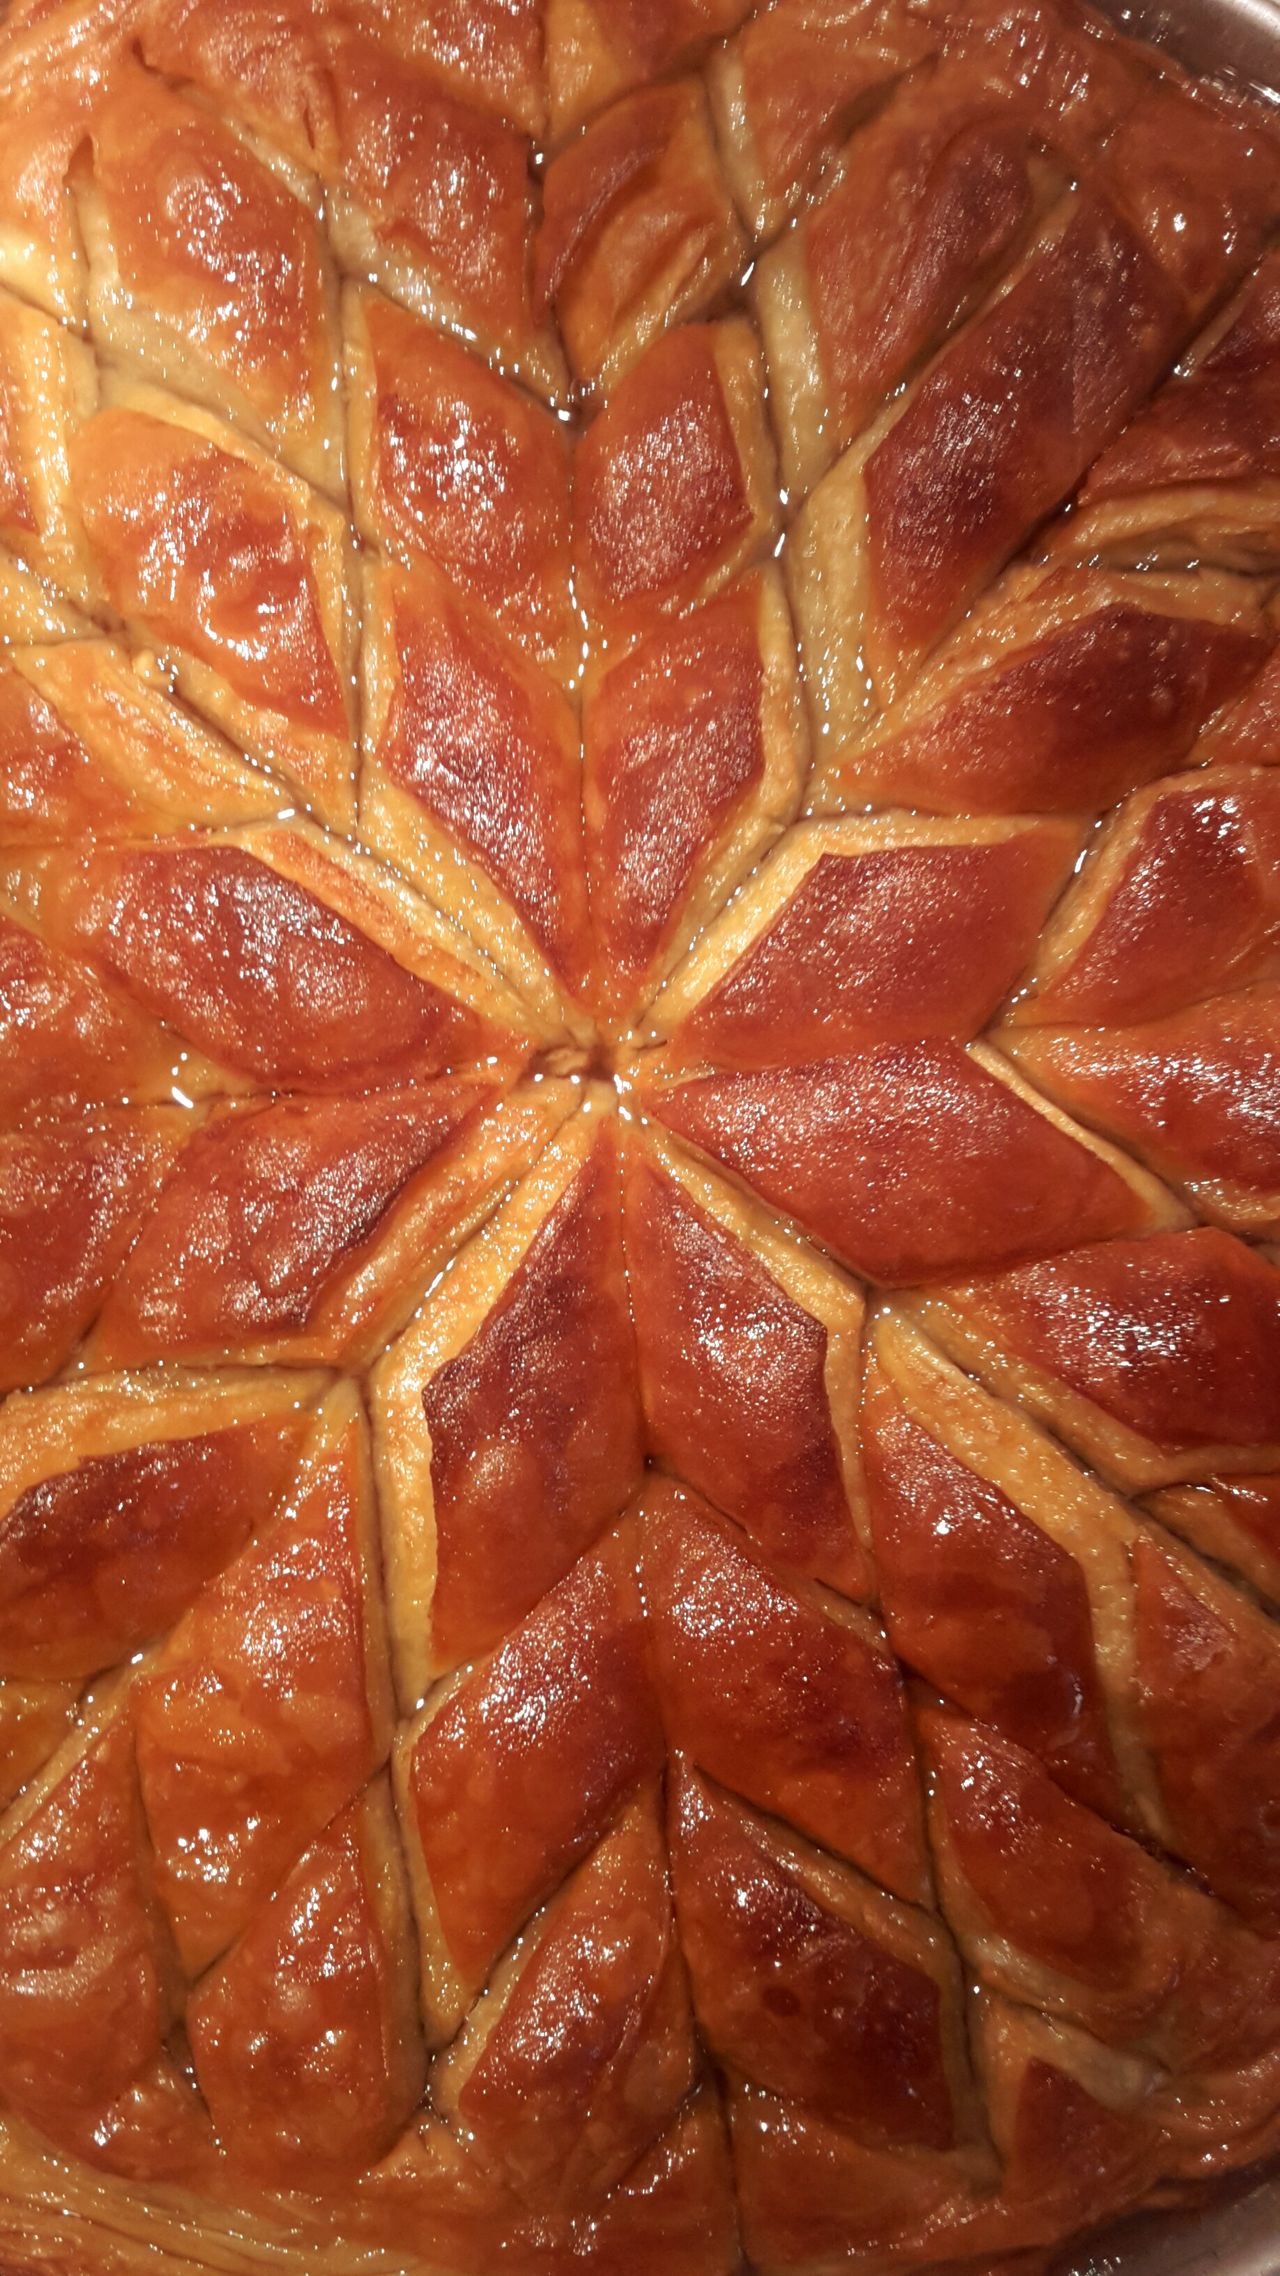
(123, 1498)
(597, 49)
(507, 1417)
(49, 386)
(695, 750)
(638, 230)
(94, 742)
(1195, 476)
(471, 782)
(50, 74)
(860, 931)
(674, 487)
(513, 1771)
(851, 1146)
(278, 952)
(305, 2039)
(1063, 691)
(673, 2214)
(270, 1705)
(749, 1361)
(1194, 1093)
(781, 1691)
(1207, 1666)
(308, 1229)
(812, 2191)
(1077, 2125)
(490, 51)
(262, 60)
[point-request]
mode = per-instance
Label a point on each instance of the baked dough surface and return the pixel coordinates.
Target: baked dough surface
(639, 1136)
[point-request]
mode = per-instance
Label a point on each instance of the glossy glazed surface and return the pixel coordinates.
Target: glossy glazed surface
(639, 1445)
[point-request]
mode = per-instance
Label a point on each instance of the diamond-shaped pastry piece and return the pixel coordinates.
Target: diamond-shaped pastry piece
(597, 49)
(74, 1195)
(452, 462)
(507, 1416)
(848, 1146)
(1180, 898)
(471, 782)
(749, 1365)
(782, 1691)
(490, 51)
(934, 199)
(695, 748)
(1062, 691)
(277, 951)
(307, 1229)
(811, 1982)
(304, 2037)
(269, 1707)
(1193, 478)
(1194, 1093)
(266, 650)
(93, 741)
(238, 312)
(1154, 1359)
(85, 2053)
(858, 931)
(674, 488)
(69, 1040)
(638, 230)
(787, 88)
(1053, 1907)
(1207, 1662)
(514, 1770)
(966, 1547)
(123, 1497)
(600, 1969)
(433, 200)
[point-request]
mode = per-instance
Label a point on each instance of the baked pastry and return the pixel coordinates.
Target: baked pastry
(639, 1136)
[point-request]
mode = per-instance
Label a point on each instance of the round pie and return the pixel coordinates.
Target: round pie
(639, 1136)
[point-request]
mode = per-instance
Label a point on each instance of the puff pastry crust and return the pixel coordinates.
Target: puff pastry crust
(639, 1136)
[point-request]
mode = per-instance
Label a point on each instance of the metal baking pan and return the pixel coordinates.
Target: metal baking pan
(1236, 2231)
(1228, 39)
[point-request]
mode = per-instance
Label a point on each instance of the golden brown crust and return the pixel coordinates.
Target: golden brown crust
(664, 1657)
